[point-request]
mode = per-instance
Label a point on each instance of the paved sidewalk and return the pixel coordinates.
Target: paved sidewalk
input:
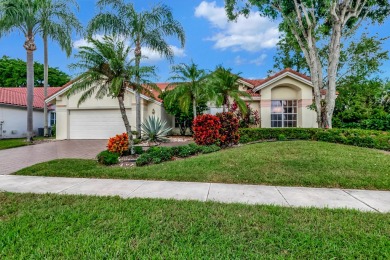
(363, 200)
(12, 160)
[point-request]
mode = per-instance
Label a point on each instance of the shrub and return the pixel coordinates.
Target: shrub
(206, 129)
(157, 155)
(107, 158)
(282, 137)
(53, 130)
(245, 120)
(144, 159)
(138, 150)
(228, 133)
(187, 150)
(155, 130)
(356, 137)
(136, 141)
(210, 148)
(118, 144)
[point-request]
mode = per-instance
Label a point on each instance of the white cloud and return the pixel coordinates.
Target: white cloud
(252, 33)
(152, 56)
(260, 60)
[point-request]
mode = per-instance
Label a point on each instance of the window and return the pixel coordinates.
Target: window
(52, 118)
(284, 113)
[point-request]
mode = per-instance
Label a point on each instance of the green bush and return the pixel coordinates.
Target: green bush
(155, 155)
(282, 137)
(53, 130)
(138, 150)
(356, 137)
(136, 141)
(210, 148)
(144, 159)
(108, 158)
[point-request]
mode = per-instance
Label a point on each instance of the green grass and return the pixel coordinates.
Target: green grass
(17, 142)
(298, 163)
(12, 143)
(79, 227)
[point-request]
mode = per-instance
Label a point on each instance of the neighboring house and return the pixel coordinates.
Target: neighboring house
(13, 111)
(282, 100)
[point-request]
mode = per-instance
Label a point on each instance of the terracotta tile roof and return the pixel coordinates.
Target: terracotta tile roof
(18, 96)
(254, 82)
(258, 82)
(60, 88)
(324, 91)
(253, 94)
(154, 93)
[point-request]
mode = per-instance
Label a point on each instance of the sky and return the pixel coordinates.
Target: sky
(246, 46)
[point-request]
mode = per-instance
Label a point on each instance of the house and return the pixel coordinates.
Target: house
(100, 119)
(282, 100)
(13, 111)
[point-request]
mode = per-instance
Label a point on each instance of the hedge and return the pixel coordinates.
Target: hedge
(155, 155)
(356, 137)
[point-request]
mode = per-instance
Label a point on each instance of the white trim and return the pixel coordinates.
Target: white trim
(245, 83)
(287, 73)
(62, 91)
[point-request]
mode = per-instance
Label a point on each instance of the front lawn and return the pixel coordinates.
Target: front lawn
(17, 142)
(293, 163)
(80, 227)
(12, 143)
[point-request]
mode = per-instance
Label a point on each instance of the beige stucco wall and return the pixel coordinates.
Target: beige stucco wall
(64, 105)
(288, 88)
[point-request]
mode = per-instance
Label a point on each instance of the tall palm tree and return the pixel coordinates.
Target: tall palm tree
(144, 29)
(57, 23)
(224, 84)
(107, 72)
(22, 15)
(188, 87)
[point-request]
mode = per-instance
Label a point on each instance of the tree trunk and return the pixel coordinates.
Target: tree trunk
(194, 107)
(137, 54)
(30, 47)
(45, 83)
(126, 120)
(333, 63)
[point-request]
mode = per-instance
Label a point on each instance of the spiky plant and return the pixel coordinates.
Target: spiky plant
(155, 130)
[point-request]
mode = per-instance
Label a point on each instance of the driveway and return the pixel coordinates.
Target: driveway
(12, 160)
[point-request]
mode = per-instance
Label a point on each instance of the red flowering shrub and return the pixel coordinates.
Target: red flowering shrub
(228, 133)
(118, 143)
(245, 120)
(206, 129)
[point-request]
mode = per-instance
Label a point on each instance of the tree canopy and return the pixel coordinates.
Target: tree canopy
(13, 73)
(317, 26)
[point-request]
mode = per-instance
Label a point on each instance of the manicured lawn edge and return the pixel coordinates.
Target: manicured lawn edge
(79, 227)
(293, 163)
(356, 137)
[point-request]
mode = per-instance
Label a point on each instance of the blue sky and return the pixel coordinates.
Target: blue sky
(247, 46)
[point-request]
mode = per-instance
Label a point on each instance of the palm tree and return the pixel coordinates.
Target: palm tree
(189, 87)
(57, 23)
(22, 15)
(108, 72)
(224, 85)
(144, 29)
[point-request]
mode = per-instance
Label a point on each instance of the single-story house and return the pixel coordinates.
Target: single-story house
(282, 100)
(13, 111)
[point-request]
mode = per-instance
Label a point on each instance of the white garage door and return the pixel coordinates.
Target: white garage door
(95, 124)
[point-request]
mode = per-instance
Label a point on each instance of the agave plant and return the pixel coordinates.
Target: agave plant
(155, 130)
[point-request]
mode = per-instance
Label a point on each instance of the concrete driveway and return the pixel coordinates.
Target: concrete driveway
(12, 160)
